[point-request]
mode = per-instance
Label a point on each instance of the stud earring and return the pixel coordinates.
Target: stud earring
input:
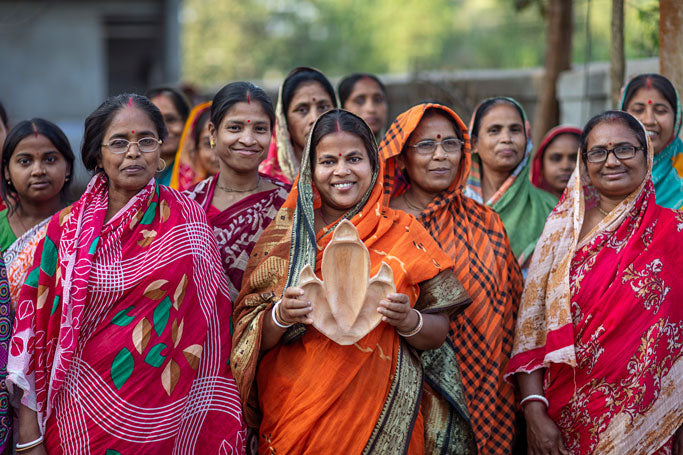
(212, 143)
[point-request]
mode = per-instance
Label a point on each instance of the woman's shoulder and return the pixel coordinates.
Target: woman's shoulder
(179, 201)
(7, 236)
(199, 188)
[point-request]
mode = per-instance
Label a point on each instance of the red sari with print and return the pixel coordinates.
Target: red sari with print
(121, 342)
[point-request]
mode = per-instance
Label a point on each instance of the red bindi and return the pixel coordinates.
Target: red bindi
(340, 155)
(248, 121)
(649, 101)
(314, 100)
(132, 132)
(438, 136)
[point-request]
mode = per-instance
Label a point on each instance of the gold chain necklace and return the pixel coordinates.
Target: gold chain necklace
(233, 190)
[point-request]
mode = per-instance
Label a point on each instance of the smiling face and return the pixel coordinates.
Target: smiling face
(431, 173)
(653, 110)
(129, 172)
(342, 171)
(559, 161)
(501, 142)
(309, 102)
(615, 178)
(367, 101)
(242, 138)
(37, 170)
(174, 123)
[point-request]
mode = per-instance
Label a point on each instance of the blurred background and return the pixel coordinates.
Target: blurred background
(561, 58)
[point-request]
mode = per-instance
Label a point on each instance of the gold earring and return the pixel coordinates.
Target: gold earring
(163, 165)
(212, 143)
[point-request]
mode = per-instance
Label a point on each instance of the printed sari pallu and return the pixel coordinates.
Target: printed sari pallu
(238, 228)
(122, 340)
(308, 394)
(604, 316)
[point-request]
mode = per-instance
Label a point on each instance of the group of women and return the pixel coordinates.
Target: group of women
(172, 319)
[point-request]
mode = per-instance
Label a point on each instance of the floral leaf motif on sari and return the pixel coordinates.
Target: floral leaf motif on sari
(141, 335)
(154, 357)
(147, 238)
(170, 376)
(154, 291)
(161, 315)
(122, 318)
(192, 355)
(647, 285)
(177, 332)
(122, 368)
(179, 293)
(165, 211)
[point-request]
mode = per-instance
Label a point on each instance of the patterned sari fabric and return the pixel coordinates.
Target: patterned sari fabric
(603, 315)
(521, 206)
(5, 337)
(238, 227)
(185, 173)
(537, 161)
(121, 342)
(481, 337)
(667, 168)
(308, 394)
(19, 257)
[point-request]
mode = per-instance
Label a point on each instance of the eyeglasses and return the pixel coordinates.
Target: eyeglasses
(145, 145)
(428, 146)
(621, 152)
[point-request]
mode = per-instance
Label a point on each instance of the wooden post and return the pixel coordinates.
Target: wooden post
(616, 54)
(558, 55)
(671, 41)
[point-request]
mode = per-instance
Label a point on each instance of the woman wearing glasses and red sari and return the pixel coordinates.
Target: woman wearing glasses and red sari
(122, 342)
(598, 351)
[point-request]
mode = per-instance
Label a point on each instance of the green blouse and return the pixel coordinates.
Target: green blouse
(7, 237)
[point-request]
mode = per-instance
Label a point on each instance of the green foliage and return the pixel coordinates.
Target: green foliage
(227, 40)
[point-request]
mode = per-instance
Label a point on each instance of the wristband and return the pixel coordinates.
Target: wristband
(530, 398)
(276, 317)
(417, 328)
(28, 445)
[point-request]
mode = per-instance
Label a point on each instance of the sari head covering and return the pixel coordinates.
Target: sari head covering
(309, 386)
(122, 341)
(185, 170)
(281, 162)
(603, 315)
(521, 206)
(537, 161)
(667, 167)
(481, 336)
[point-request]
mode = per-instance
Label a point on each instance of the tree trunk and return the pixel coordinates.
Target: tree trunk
(670, 39)
(558, 56)
(616, 52)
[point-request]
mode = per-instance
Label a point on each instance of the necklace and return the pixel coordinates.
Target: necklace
(412, 205)
(18, 218)
(601, 210)
(233, 190)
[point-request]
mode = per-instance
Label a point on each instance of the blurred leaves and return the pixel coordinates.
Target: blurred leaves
(226, 40)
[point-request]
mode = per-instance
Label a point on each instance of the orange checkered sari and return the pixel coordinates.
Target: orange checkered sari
(473, 235)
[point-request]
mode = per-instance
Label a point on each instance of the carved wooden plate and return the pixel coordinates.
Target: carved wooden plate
(345, 302)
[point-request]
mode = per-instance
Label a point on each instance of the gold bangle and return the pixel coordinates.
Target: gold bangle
(417, 328)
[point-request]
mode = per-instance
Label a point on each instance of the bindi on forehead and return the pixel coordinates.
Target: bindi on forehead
(438, 136)
(132, 131)
(248, 121)
(649, 101)
(340, 155)
(314, 99)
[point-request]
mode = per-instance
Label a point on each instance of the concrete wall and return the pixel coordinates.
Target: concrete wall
(54, 58)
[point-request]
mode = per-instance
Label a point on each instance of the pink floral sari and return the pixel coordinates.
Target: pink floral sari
(121, 342)
(604, 316)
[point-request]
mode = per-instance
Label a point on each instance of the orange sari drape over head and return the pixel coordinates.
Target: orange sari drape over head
(474, 236)
(309, 394)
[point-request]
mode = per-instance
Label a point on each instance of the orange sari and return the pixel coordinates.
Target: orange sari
(309, 394)
(481, 336)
